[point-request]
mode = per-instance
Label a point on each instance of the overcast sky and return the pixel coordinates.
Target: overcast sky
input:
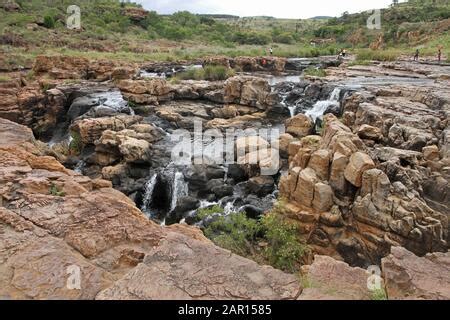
(276, 8)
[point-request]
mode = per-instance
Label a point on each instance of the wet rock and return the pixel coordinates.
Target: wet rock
(104, 225)
(222, 191)
(80, 106)
(184, 205)
(237, 173)
(199, 175)
(252, 212)
(278, 111)
(261, 186)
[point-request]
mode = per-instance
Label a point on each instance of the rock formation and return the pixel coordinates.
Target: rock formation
(347, 205)
(53, 220)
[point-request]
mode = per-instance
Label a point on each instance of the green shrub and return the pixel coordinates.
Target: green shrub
(4, 78)
(76, 145)
(284, 37)
(49, 22)
(285, 248)
(210, 73)
(379, 294)
(257, 38)
(235, 232)
(206, 212)
(45, 86)
(377, 55)
(55, 191)
(315, 72)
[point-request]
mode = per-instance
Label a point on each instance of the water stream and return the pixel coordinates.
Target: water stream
(321, 107)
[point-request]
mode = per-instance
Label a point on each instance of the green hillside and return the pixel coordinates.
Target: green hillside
(116, 30)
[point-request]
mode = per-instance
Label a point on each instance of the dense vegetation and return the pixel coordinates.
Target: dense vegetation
(272, 239)
(403, 23)
(210, 73)
(108, 31)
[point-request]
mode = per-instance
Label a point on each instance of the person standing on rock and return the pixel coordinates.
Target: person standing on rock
(416, 56)
(439, 53)
(271, 51)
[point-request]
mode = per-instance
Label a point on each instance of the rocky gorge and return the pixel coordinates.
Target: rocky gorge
(363, 171)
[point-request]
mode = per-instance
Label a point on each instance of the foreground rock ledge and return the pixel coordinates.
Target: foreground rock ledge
(120, 253)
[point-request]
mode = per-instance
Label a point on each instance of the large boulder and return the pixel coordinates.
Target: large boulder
(304, 192)
(254, 64)
(359, 162)
(408, 276)
(299, 126)
(261, 186)
(249, 91)
(131, 145)
(90, 130)
(148, 91)
(329, 279)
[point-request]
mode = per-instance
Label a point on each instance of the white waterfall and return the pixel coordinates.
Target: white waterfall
(179, 189)
(79, 167)
(321, 106)
(149, 188)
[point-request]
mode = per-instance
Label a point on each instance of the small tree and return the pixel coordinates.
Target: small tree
(49, 22)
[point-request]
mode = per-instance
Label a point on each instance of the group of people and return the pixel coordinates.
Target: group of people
(439, 54)
(343, 54)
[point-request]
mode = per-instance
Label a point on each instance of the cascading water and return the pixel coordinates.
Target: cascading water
(321, 106)
(79, 167)
(162, 192)
(179, 189)
(149, 188)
